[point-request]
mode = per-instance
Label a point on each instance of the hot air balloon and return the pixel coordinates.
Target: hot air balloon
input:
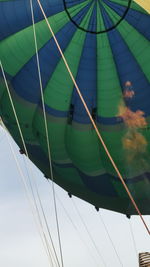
(106, 45)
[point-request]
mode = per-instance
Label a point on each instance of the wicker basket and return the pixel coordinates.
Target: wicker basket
(144, 259)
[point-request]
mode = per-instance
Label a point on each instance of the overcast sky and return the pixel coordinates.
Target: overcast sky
(20, 243)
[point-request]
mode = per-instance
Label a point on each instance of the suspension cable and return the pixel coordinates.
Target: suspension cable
(47, 134)
(110, 239)
(75, 227)
(133, 238)
(92, 121)
(30, 200)
(89, 234)
(46, 223)
(26, 152)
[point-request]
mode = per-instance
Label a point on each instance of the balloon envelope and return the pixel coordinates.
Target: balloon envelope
(106, 44)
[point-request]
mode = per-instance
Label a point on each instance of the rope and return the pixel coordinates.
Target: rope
(25, 149)
(46, 131)
(46, 223)
(133, 239)
(28, 195)
(110, 239)
(89, 234)
(92, 121)
(75, 227)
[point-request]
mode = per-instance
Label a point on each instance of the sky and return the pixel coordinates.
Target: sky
(84, 239)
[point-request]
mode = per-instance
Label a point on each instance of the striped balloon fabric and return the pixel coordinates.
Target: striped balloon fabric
(106, 45)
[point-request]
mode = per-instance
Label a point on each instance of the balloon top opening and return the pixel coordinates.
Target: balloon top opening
(96, 16)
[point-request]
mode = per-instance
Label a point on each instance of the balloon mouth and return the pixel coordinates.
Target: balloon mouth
(98, 29)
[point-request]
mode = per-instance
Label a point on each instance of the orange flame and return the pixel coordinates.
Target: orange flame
(133, 141)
